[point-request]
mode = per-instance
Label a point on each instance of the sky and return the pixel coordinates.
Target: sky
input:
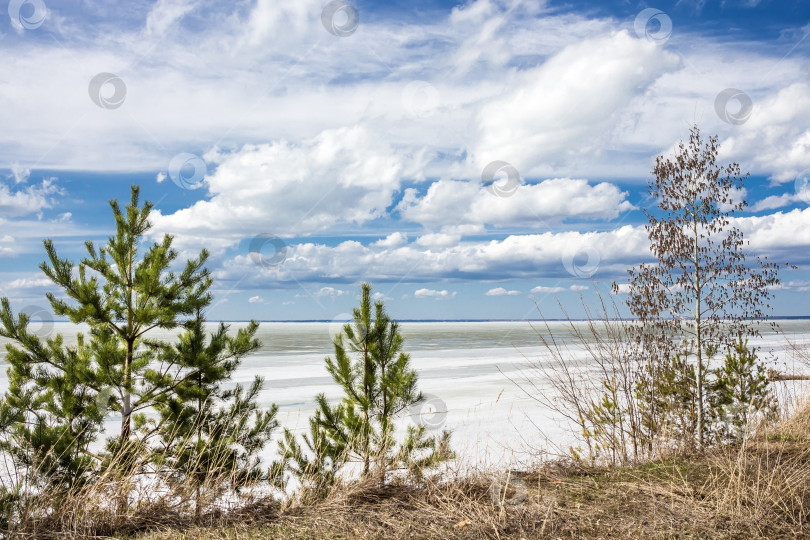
(472, 160)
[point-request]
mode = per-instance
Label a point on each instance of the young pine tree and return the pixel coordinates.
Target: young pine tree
(123, 294)
(739, 394)
(50, 414)
(379, 386)
(209, 436)
(666, 393)
(59, 395)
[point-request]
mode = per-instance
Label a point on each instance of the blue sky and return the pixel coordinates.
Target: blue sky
(255, 124)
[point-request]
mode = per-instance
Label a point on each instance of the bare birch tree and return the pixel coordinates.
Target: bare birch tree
(702, 288)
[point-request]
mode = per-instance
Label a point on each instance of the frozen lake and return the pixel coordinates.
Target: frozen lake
(464, 368)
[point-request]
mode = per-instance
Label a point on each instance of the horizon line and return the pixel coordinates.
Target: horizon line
(774, 318)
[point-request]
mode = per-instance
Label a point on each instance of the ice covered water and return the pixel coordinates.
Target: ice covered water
(468, 370)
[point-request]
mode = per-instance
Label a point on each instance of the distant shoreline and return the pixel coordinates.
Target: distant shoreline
(770, 319)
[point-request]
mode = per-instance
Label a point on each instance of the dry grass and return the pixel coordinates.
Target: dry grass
(760, 489)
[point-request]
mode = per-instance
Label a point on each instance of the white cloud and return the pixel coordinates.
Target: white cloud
(500, 291)
(31, 288)
(342, 176)
(587, 99)
(796, 285)
(452, 202)
(432, 293)
(775, 139)
(330, 292)
(23, 235)
(255, 300)
(778, 230)
(392, 240)
(623, 288)
(164, 14)
(516, 256)
(561, 109)
(29, 200)
(305, 134)
(6, 245)
(736, 195)
(30, 283)
(774, 201)
(541, 289)
(438, 240)
(20, 174)
(579, 288)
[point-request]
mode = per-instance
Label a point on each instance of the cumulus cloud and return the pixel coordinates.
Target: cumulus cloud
(561, 108)
(541, 289)
(17, 202)
(453, 202)
(392, 240)
(623, 288)
(773, 202)
(329, 292)
(516, 256)
(31, 287)
(500, 291)
(432, 293)
(342, 176)
(438, 240)
(777, 231)
(30, 283)
(255, 300)
(775, 139)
